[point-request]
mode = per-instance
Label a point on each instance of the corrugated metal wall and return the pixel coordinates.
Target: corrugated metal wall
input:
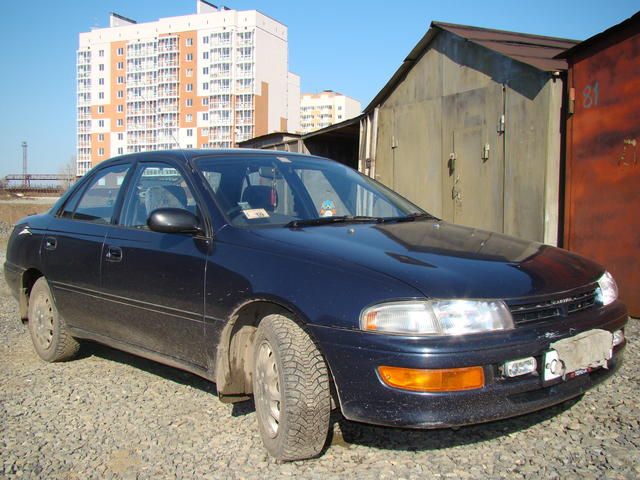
(603, 162)
(440, 141)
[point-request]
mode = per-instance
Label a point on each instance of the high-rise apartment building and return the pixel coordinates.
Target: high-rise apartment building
(207, 80)
(319, 110)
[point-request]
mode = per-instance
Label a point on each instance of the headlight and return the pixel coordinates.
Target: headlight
(437, 317)
(607, 290)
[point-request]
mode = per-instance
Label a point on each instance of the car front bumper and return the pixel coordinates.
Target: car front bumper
(354, 356)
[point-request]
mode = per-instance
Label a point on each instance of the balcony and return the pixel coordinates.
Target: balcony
(167, 108)
(220, 121)
(167, 92)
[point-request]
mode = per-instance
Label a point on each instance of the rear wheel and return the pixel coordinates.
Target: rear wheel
(47, 328)
(291, 390)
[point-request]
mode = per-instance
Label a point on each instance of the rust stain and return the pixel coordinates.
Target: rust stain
(602, 172)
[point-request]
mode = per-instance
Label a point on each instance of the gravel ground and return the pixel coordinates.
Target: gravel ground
(112, 415)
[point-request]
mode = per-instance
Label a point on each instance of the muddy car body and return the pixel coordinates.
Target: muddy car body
(299, 281)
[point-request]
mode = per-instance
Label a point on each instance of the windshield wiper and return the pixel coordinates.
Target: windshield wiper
(310, 222)
(411, 217)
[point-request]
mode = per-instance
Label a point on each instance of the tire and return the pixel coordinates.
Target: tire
(291, 390)
(49, 334)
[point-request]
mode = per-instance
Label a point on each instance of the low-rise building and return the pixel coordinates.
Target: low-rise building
(319, 110)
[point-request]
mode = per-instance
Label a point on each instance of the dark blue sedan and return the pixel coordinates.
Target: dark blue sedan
(313, 288)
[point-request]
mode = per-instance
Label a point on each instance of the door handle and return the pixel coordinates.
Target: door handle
(114, 254)
(50, 243)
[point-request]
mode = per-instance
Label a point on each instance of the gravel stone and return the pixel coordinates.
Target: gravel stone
(111, 415)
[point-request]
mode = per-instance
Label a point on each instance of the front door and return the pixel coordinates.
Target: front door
(155, 281)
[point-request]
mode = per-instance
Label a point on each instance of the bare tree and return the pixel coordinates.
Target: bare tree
(69, 172)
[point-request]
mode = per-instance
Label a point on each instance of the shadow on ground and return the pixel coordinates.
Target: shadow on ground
(349, 432)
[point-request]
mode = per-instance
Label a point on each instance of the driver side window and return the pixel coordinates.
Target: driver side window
(155, 185)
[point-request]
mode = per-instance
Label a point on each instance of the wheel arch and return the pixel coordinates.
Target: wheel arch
(234, 354)
(29, 278)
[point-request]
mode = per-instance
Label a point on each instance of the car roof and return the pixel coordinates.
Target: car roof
(186, 155)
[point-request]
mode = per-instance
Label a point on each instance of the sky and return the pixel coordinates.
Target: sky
(350, 46)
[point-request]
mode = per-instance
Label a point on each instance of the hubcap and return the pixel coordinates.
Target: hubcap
(268, 398)
(43, 321)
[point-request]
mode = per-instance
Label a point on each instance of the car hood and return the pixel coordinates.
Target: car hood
(443, 260)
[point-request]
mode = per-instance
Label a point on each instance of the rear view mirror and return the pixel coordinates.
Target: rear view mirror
(271, 173)
(173, 220)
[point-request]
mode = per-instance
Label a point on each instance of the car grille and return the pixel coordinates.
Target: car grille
(553, 308)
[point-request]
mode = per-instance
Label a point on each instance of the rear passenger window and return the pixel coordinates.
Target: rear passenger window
(98, 201)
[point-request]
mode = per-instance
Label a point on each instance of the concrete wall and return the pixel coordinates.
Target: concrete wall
(451, 102)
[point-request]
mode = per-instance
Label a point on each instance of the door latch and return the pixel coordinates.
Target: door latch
(452, 163)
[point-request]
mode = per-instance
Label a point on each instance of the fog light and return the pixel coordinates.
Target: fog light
(422, 380)
(522, 366)
(618, 337)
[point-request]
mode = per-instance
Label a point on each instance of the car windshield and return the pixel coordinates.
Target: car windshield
(282, 190)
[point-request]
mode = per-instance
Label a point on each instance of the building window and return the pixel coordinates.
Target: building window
(120, 150)
(189, 72)
(120, 123)
(120, 136)
(101, 123)
(101, 152)
(189, 42)
(101, 96)
(205, 116)
(189, 87)
(189, 102)
(205, 101)
(101, 81)
(120, 80)
(205, 70)
(101, 137)
(120, 65)
(205, 132)
(120, 51)
(205, 86)
(101, 109)
(189, 132)
(188, 117)
(120, 108)
(120, 94)
(101, 53)
(101, 67)
(189, 57)
(205, 55)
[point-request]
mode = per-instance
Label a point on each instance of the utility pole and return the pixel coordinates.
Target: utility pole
(25, 165)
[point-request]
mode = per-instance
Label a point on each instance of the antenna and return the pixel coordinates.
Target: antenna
(170, 130)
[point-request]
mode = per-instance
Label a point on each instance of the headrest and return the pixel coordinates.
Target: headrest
(261, 196)
(163, 196)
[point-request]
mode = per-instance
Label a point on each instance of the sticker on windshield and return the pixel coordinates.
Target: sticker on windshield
(328, 209)
(254, 213)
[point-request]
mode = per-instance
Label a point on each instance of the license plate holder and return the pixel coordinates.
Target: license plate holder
(577, 355)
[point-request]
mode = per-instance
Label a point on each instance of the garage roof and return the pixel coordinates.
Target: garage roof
(535, 50)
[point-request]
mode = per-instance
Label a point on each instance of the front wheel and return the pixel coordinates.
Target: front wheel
(49, 334)
(291, 390)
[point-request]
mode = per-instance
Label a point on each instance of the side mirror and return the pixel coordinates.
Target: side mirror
(173, 220)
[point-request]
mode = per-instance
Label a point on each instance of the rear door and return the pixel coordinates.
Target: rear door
(72, 248)
(155, 281)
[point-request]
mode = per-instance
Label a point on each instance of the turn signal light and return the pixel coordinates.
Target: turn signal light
(422, 380)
